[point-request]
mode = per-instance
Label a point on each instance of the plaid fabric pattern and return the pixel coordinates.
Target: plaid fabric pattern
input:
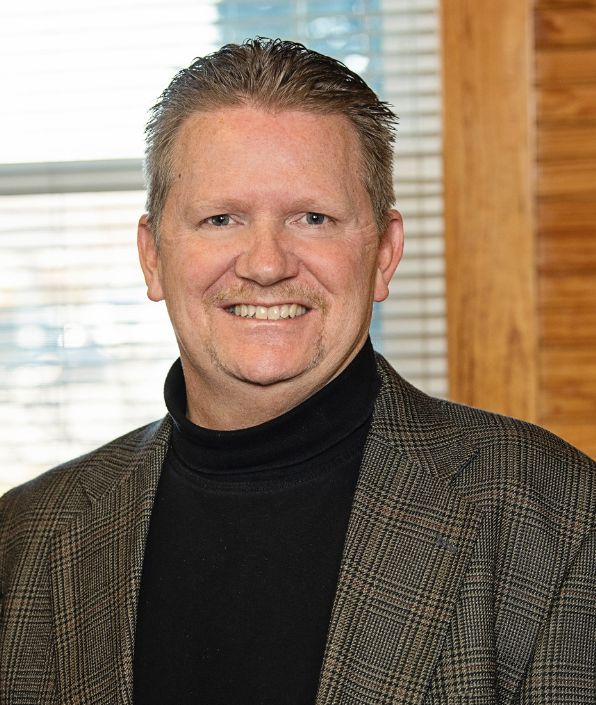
(468, 574)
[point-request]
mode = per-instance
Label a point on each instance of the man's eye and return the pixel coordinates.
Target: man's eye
(219, 220)
(315, 218)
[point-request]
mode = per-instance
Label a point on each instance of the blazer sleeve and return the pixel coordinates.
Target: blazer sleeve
(563, 667)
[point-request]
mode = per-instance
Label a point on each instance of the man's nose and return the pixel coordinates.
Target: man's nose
(267, 257)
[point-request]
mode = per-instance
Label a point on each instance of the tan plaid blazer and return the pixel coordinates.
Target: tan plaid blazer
(468, 574)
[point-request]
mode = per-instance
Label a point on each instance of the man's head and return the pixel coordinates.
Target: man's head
(270, 250)
(274, 75)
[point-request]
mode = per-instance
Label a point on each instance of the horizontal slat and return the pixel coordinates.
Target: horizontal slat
(575, 291)
(581, 434)
(562, 66)
(567, 251)
(567, 312)
(568, 383)
(566, 104)
(565, 26)
(567, 178)
(566, 142)
(566, 214)
(567, 309)
(568, 326)
(566, 4)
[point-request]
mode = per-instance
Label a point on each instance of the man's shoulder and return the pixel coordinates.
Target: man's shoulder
(498, 459)
(523, 464)
(505, 435)
(71, 484)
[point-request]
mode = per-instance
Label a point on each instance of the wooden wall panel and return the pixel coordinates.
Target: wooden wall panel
(565, 5)
(567, 105)
(566, 223)
(573, 328)
(568, 382)
(567, 177)
(567, 252)
(573, 292)
(567, 312)
(564, 65)
(569, 214)
(489, 225)
(562, 142)
(565, 25)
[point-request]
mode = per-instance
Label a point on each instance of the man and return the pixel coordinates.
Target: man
(303, 526)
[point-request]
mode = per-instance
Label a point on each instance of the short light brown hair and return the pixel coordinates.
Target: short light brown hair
(275, 75)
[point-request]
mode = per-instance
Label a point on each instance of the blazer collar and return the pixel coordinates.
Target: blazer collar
(409, 541)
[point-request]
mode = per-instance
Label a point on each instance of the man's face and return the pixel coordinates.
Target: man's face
(269, 257)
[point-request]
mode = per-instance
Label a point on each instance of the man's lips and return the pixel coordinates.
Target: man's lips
(271, 313)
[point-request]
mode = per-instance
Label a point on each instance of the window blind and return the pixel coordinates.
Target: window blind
(83, 353)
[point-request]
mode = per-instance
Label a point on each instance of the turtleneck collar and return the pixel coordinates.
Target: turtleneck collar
(316, 425)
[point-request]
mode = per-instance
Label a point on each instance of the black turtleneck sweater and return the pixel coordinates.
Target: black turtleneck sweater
(244, 547)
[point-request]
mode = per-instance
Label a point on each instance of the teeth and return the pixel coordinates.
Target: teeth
(271, 313)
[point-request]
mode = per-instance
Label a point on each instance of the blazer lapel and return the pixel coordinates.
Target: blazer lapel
(408, 545)
(95, 571)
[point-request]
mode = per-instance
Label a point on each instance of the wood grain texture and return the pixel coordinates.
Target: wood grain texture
(566, 186)
(567, 252)
(489, 226)
(567, 311)
(567, 177)
(567, 5)
(568, 214)
(569, 105)
(568, 384)
(563, 66)
(572, 327)
(574, 291)
(562, 142)
(565, 25)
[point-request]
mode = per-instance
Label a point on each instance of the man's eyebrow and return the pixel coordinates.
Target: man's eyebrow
(312, 203)
(217, 205)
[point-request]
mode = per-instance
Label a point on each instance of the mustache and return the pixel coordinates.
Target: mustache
(311, 298)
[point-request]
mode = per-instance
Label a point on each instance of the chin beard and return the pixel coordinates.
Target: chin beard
(266, 375)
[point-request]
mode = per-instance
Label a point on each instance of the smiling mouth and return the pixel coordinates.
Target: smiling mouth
(270, 313)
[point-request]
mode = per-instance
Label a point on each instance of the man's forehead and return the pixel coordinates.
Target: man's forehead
(244, 135)
(260, 119)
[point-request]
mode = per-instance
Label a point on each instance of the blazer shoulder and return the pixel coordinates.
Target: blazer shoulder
(32, 513)
(514, 436)
(523, 470)
(71, 485)
(505, 462)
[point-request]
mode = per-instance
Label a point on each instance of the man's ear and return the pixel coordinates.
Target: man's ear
(149, 258)
(391, 247)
